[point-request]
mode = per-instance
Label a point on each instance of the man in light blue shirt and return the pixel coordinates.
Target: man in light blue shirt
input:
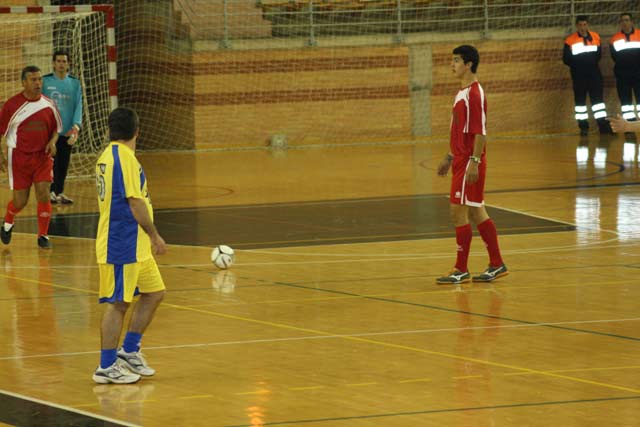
(64, 89)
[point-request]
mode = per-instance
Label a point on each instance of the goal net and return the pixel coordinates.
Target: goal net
(336, 71)
(29, 36)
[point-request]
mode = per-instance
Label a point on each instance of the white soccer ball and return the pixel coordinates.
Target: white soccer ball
(223, 256)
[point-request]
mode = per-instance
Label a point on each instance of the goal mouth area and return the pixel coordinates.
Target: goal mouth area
(30, 35)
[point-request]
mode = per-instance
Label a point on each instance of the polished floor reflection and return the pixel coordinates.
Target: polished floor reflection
(331, 316)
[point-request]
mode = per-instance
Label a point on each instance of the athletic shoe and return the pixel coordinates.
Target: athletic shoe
(43, 242)
(64, 199)
(5, 236)
(53, 197)
(136, 362)
(491, 274)
(115, 374)
(454, 278)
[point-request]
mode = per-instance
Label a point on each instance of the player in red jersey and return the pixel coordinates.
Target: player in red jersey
(29, 124)
(467, 160)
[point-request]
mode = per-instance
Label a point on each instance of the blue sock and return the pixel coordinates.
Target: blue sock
(131, 342)
(108, 357)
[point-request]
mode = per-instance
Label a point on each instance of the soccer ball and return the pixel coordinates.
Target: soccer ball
(223, 256)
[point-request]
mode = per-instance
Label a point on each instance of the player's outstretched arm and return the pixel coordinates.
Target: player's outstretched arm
(140, 213)
(618, 124)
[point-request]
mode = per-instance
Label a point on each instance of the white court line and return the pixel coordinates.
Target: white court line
(559, 220)
(322, 337)
(403, 258)
(373, 258)
(68, 408)
(422, 255)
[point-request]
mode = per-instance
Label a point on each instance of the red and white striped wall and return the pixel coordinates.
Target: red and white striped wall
(107, 9)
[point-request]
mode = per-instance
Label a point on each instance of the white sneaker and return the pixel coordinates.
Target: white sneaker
(63, 199)
(136, 362)
(53, 197)
(115, 374)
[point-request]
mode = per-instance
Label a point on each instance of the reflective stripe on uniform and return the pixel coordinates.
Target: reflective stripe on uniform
(622, 44)
(578, 48)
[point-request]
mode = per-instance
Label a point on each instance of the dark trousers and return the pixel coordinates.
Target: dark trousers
(588, 85)
(61, 164)
(627, 86)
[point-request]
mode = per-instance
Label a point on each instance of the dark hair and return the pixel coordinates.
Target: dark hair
(581, 18)
(123, 124)
(626, 14)
(29, 69)
(468, 54)
(60, 52)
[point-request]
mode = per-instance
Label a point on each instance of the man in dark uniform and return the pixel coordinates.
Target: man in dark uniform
(625, 50)
(582, 53)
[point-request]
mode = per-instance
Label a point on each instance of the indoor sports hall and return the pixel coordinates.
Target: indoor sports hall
(306, 135)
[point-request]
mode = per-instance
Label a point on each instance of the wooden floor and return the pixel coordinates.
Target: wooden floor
(354, 334)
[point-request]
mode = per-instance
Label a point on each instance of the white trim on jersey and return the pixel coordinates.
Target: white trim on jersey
(484, 113)
(463, 195)
(10, 166)
(463, 95)
(25, 111)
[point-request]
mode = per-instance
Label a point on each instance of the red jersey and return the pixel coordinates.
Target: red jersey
(29, 125)
(469, 118)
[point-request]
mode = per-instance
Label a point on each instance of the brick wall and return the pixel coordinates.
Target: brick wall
(359, 94)
(314, 96)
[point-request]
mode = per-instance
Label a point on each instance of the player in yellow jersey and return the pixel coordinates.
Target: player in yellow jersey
(124, 245)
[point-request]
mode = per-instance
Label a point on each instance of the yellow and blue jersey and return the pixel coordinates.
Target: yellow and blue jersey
(119, 175)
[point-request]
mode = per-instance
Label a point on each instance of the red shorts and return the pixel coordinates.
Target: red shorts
(463, 193)
(28, 168)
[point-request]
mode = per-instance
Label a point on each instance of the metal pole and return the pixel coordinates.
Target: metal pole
(312, 37)
(225, 43)
(573, 13)
(398, 37)
(485, 32)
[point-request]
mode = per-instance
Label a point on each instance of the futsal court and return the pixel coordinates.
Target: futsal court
(331, 315)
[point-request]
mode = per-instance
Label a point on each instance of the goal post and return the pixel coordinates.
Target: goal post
(30, 34)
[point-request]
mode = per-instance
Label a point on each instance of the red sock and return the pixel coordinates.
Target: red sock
(44, 216)
(11, 213)
(490, 236)
(463, 239)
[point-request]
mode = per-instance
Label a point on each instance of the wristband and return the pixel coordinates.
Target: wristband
(474, 159)
(449, 157)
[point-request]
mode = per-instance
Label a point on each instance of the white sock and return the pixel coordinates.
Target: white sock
(7, 227)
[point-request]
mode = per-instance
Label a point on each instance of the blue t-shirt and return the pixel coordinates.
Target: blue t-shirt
(67, 95)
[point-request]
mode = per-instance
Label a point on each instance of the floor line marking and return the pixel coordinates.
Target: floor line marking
(323, 337)
(417, 380)
(440, 411)
(608, 368)
(374, 342)
(67, 408)
(409, 348)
